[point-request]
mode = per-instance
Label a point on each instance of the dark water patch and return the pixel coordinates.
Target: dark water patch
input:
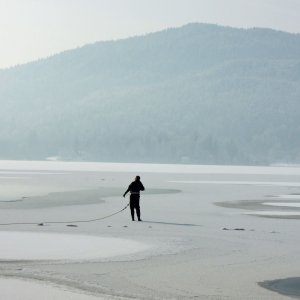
(11, 201)
(259, 206)
(79, 197)
(287, 286)
(283, 217)
(57, 199)
(244, 204)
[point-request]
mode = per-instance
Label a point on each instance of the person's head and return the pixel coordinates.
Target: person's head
(137, 178)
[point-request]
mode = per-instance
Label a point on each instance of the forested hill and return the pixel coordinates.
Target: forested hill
(198, 94)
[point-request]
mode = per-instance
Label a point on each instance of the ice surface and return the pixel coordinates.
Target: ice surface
(183, 261)
(56, 246)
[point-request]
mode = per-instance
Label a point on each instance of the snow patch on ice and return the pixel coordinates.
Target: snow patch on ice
(54, 246)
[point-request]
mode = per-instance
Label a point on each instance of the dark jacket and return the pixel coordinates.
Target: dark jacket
(135, 187)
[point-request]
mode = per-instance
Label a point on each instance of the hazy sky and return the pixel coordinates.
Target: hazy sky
(30, 29)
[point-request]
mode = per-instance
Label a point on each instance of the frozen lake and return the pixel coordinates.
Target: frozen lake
(179, 251)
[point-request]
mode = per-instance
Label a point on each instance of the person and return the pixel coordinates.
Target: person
(134, 188)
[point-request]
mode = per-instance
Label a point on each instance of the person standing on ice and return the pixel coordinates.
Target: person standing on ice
(134, 188)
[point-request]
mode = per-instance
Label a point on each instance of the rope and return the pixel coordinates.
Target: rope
(65, 222)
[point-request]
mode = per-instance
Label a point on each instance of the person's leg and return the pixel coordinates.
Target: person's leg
(132, 207)
(137, 207)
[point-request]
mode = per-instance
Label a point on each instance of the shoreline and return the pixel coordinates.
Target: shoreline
(73, 166)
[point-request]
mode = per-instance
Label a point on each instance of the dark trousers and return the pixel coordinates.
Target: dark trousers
(135, 204)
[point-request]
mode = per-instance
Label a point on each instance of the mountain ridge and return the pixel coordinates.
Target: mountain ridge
(130, 38)
(187, 94)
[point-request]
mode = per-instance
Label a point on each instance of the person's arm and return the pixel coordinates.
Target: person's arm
(142, 187)
(127, 191)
